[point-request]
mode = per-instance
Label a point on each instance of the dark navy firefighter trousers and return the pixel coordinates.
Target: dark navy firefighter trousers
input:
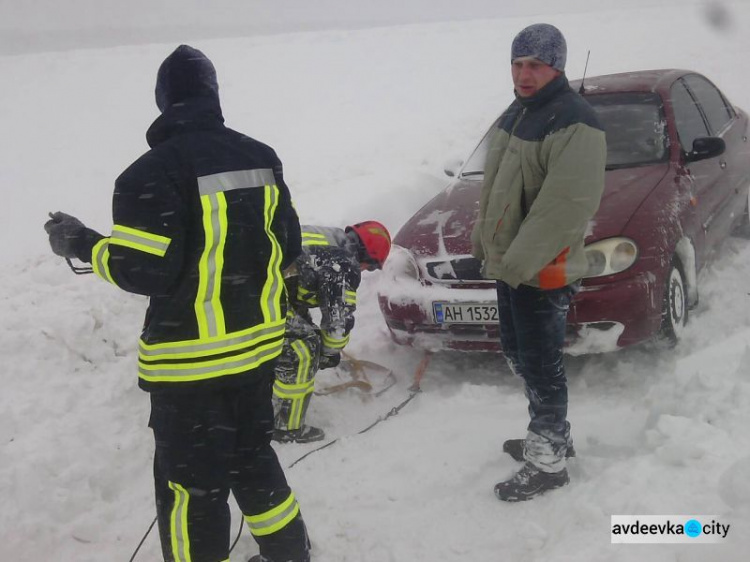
(208, 443)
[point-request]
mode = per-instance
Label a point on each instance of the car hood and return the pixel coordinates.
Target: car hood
(443, 226)
(624, 192)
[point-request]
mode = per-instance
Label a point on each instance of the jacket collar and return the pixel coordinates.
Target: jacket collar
(551, 90)
(195, 114)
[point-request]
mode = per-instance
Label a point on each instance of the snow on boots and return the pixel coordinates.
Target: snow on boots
(515, 448)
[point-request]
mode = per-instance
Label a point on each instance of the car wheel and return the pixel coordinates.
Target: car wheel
(675, 308)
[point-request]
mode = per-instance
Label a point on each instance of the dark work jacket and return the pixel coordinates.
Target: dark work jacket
(328, 277)
(203, 225)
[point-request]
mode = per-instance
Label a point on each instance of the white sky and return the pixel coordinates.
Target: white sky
(38, 25)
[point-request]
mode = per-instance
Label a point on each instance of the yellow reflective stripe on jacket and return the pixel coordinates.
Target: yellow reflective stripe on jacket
(100, 260)
(333, 343)
(178, 524)
(139, 240)
(199, 348)
(202, 370)
(350, 297)
(273, 289)
(313, 239)
(274, 519)
(306, 296)
(208, 310)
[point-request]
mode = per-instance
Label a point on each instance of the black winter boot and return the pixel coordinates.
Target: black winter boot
(515, 448)
(529, 482)
(305, 434)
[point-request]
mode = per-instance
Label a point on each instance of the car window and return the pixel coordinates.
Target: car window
(688, 119)
(715, 107)
(633, 123)
(635, 128)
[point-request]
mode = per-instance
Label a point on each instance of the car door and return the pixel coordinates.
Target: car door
(704, 177)
(723, 121)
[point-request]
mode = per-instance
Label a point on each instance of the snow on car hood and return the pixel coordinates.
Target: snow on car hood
(624, 193)
(443, 226)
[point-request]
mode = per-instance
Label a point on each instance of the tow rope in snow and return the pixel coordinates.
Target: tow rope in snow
(140, 544)
(414, 389)
(357, 370)
(393, 411)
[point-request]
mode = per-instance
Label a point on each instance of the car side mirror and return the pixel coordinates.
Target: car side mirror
(452, 167)
(706, 147)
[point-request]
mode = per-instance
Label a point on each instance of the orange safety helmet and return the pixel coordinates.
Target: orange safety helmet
(374, 242)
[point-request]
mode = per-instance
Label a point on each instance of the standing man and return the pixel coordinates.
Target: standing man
(326, 275)
(203, 225)
(543, 181)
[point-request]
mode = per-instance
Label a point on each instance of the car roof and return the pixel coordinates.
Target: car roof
(640, 81)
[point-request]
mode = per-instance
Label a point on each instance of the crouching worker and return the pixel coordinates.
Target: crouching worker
(326, 275)
(203, 225)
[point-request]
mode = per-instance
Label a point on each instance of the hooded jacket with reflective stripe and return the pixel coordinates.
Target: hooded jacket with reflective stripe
(203, 225)
(328, 278)
(543, 181)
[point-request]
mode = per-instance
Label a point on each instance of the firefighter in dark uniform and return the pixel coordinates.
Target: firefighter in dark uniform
(204, 226)
(326, 275)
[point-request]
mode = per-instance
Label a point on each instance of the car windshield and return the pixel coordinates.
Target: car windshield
(635, 128)
(634, 125)
(475, 164)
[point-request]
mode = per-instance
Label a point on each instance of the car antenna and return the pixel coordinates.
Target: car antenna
(581, 90)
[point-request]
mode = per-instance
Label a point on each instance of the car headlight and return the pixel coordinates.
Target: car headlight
(401, 264)
(610, 256)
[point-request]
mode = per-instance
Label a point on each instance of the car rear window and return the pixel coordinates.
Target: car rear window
(635, 127)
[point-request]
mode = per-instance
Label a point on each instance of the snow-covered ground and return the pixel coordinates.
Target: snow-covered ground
(363, 120)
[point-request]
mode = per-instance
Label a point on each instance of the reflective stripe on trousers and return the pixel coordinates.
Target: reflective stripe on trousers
(178, 524)
(274, 519)
(296, 394)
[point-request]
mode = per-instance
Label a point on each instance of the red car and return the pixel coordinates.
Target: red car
(678, 170)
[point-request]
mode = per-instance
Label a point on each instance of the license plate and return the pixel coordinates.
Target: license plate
(464, 313)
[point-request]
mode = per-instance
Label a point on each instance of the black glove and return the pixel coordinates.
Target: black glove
(64, 232)
(329, 361)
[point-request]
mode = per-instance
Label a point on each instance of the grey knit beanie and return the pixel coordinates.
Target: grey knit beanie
(543, 42)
